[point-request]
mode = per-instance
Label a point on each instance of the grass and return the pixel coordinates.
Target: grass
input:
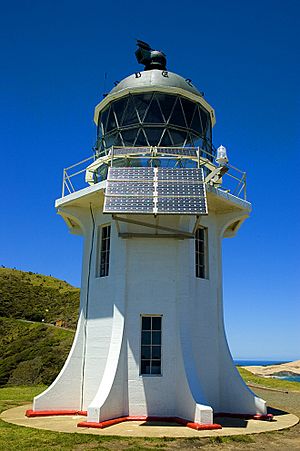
(234, 438)
(268, 382)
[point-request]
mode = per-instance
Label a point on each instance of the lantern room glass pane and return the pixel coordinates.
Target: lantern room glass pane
(196, 122)
(153, 135)
(204, 120)
(166, 102)
(103, 119)
(166, 140)
(111, 121)
(142, 102)
(178, 137)
(154, 119)
(177, 117)
(111, 139)
(189, 109)
(120, 108)
(129, 136)
(154, 114)
(141, 139)
(130, 116)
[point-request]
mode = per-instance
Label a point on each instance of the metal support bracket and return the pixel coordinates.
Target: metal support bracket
(175, 232)
(176, 236)
(216, 174)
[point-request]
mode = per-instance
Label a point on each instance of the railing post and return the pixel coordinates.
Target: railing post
(63, 184)
(245, 187)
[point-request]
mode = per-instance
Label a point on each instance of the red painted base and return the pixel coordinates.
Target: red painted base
(189, 424)
(47, 413)
(267, 417)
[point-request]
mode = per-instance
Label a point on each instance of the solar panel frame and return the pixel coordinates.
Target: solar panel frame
(131, 151)
(188, 152)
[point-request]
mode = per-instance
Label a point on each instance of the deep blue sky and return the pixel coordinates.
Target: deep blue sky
(244, 55)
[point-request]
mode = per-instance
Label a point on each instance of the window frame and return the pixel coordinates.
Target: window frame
(201, 270)
(151, 345)
(103, 249)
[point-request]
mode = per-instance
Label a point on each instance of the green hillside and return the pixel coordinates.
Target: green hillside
(34, 297)
(32, 351)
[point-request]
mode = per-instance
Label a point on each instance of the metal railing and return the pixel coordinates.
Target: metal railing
(234, 181)
(68, 176)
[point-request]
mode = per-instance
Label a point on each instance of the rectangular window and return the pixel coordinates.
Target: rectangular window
(151, 345)
(104, 245)
(201, 253)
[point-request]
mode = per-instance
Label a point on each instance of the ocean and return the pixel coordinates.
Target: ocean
(268, 362)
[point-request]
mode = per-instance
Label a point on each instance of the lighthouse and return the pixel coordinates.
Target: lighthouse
(156, 203)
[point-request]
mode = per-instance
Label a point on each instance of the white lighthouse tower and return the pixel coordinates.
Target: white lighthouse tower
(158, 201)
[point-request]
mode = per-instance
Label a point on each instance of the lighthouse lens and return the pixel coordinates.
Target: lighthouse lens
(154, 119)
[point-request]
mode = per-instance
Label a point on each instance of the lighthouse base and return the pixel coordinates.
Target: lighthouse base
(189, 424)
(105, 373)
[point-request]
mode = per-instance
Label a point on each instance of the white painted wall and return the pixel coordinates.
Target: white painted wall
(151, 276)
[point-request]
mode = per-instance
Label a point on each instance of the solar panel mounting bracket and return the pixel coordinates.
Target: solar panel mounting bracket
(175, 232)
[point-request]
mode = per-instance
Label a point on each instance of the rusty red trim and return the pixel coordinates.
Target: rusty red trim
(48, 413)
(189, 424)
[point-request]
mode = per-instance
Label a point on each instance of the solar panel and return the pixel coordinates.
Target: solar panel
(131, 150)
(130, 188)
(187, 205)
(130, 173)
(128, 204)
(155, 190)
(171, 151)
(177, 189)
(180, 174)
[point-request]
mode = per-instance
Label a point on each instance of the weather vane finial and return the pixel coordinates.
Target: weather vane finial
(152, 59)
